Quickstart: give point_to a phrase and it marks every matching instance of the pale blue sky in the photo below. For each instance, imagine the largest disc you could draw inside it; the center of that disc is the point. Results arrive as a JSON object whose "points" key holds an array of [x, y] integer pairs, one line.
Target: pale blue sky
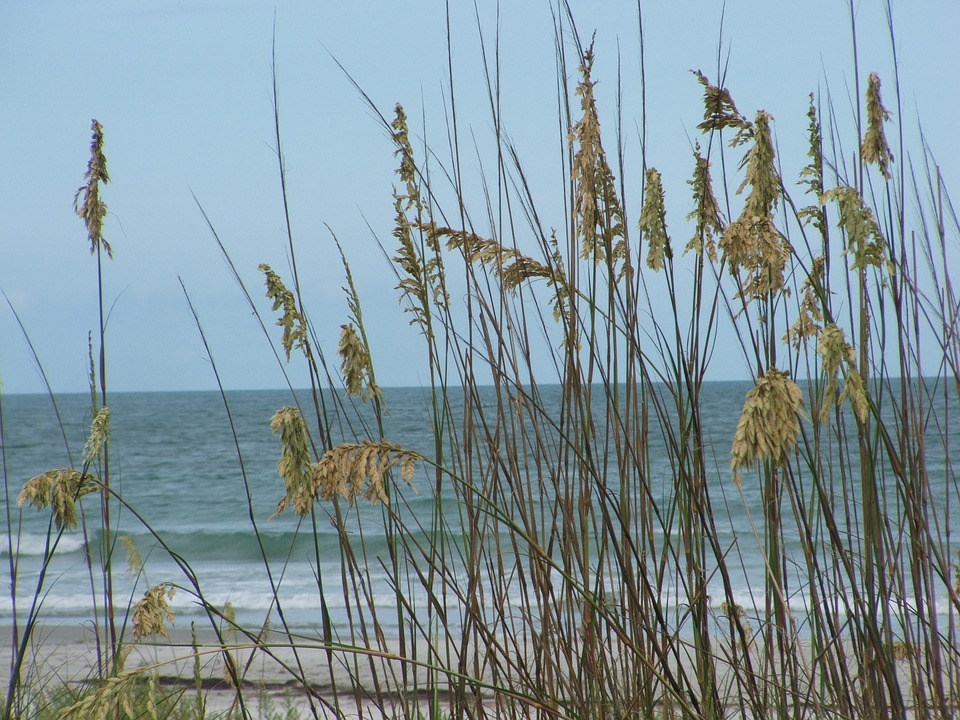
{"points": [[183, 89]]}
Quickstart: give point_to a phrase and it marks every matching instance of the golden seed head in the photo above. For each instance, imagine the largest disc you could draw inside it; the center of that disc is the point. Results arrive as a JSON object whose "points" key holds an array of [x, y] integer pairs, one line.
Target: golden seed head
{"points": [[752, 243], [864, 239], [706, 212], [134, 560], [294, 463], [99, 436], [874, 149], [152, 612], [356, 365], [770, 422], [292, 322], [598, 211], [91, 209], [808, 322], [354, 470], [60, 490], [653, 222], [720, 111]]}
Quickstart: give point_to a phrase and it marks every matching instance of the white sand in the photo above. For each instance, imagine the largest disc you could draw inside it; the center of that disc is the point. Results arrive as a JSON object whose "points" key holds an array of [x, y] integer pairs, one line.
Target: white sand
{"points": [[271, 675]]}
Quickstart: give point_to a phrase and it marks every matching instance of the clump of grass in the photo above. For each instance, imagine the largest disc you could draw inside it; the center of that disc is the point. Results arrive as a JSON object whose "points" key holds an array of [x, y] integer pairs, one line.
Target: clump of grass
{"points": [[579, 558]]}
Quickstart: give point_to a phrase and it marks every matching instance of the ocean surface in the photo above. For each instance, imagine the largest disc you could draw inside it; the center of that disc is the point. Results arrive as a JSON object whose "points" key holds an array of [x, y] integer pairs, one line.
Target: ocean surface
{"points": [[175, 460]]}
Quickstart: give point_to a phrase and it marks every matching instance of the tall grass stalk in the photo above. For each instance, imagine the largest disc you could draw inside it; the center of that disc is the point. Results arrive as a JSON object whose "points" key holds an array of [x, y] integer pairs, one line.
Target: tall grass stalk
{"points": [[93, 210]]}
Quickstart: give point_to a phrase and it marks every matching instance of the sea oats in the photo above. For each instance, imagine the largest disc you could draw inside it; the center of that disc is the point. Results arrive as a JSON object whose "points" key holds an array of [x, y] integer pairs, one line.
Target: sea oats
{"points": [[354, 470], [856, 393], [112, 698], [152, 611], [769, 424], [810, 317], [60, 490], [513, 266], [91, 208], [752, 242], [560, 299], [355, 364], [421, 278], [597, 207], [835, 352], [864, 239], [134, 560], [292, 322], [408, 167], [874, 149], [812, 173], [354, 351], [903, 651], [653, 222], [99, 436], [754, 245], [412, 284], [294, 463], [720, 111], [761, 171], [706, 212]]}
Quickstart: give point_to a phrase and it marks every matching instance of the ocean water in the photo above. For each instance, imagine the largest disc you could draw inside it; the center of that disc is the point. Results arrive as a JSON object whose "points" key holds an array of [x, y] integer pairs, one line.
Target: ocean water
{"points": [[176, 461]]}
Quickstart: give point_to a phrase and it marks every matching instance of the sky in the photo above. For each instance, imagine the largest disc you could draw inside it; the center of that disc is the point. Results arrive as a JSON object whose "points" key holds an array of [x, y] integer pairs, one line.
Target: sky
{"points": [[184, 91]]}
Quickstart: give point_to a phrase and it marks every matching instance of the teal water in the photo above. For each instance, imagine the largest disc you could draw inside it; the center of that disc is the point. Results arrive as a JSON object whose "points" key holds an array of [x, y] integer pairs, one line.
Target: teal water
{"points": [[175, 460]]}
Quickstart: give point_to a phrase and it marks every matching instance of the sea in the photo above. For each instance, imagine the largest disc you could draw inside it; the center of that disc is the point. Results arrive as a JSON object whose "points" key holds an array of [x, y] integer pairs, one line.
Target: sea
{"points": [[197, 472]]}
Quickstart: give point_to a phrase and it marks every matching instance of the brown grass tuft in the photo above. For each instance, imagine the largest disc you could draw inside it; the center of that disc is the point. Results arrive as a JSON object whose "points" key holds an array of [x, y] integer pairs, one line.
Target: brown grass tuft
{"points": [[91, 208], [874, 149], [354, 470], [770, 422], [294, 327], [294, 464], [152, 612], [59, 489]]}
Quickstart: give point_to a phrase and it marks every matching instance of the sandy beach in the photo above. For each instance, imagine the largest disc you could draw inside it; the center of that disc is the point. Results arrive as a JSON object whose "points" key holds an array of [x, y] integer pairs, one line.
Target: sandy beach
{"points": [[273, 676]]}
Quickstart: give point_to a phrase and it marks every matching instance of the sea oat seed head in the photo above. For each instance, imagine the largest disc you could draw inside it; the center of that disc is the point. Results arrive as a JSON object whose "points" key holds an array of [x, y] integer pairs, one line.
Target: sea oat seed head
{"points": [[99, 436], [706, 212], [719, 109], [292, 322], [356, 365], [864, 239], [152, 612], [769, 424], [421, 273], [134, 560], [91, 209], [294, 463], [874, 149], [752, 242], [810, 317], [653, 222], [598, 211], [60, 490], [354, 470]]}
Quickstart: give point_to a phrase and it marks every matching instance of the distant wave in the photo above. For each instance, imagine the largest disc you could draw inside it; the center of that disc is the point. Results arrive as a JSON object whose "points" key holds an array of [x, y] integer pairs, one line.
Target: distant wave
{"points": [[35, 545]]}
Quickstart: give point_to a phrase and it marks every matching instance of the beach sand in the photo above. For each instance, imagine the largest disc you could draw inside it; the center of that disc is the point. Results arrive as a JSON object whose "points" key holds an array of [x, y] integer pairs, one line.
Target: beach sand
{"points": [[274, 677], [270, 675]]}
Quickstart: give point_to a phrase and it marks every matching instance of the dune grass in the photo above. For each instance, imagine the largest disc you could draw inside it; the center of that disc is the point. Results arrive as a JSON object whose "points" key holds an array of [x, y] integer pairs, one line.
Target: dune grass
{"points": [[574, 562]]}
